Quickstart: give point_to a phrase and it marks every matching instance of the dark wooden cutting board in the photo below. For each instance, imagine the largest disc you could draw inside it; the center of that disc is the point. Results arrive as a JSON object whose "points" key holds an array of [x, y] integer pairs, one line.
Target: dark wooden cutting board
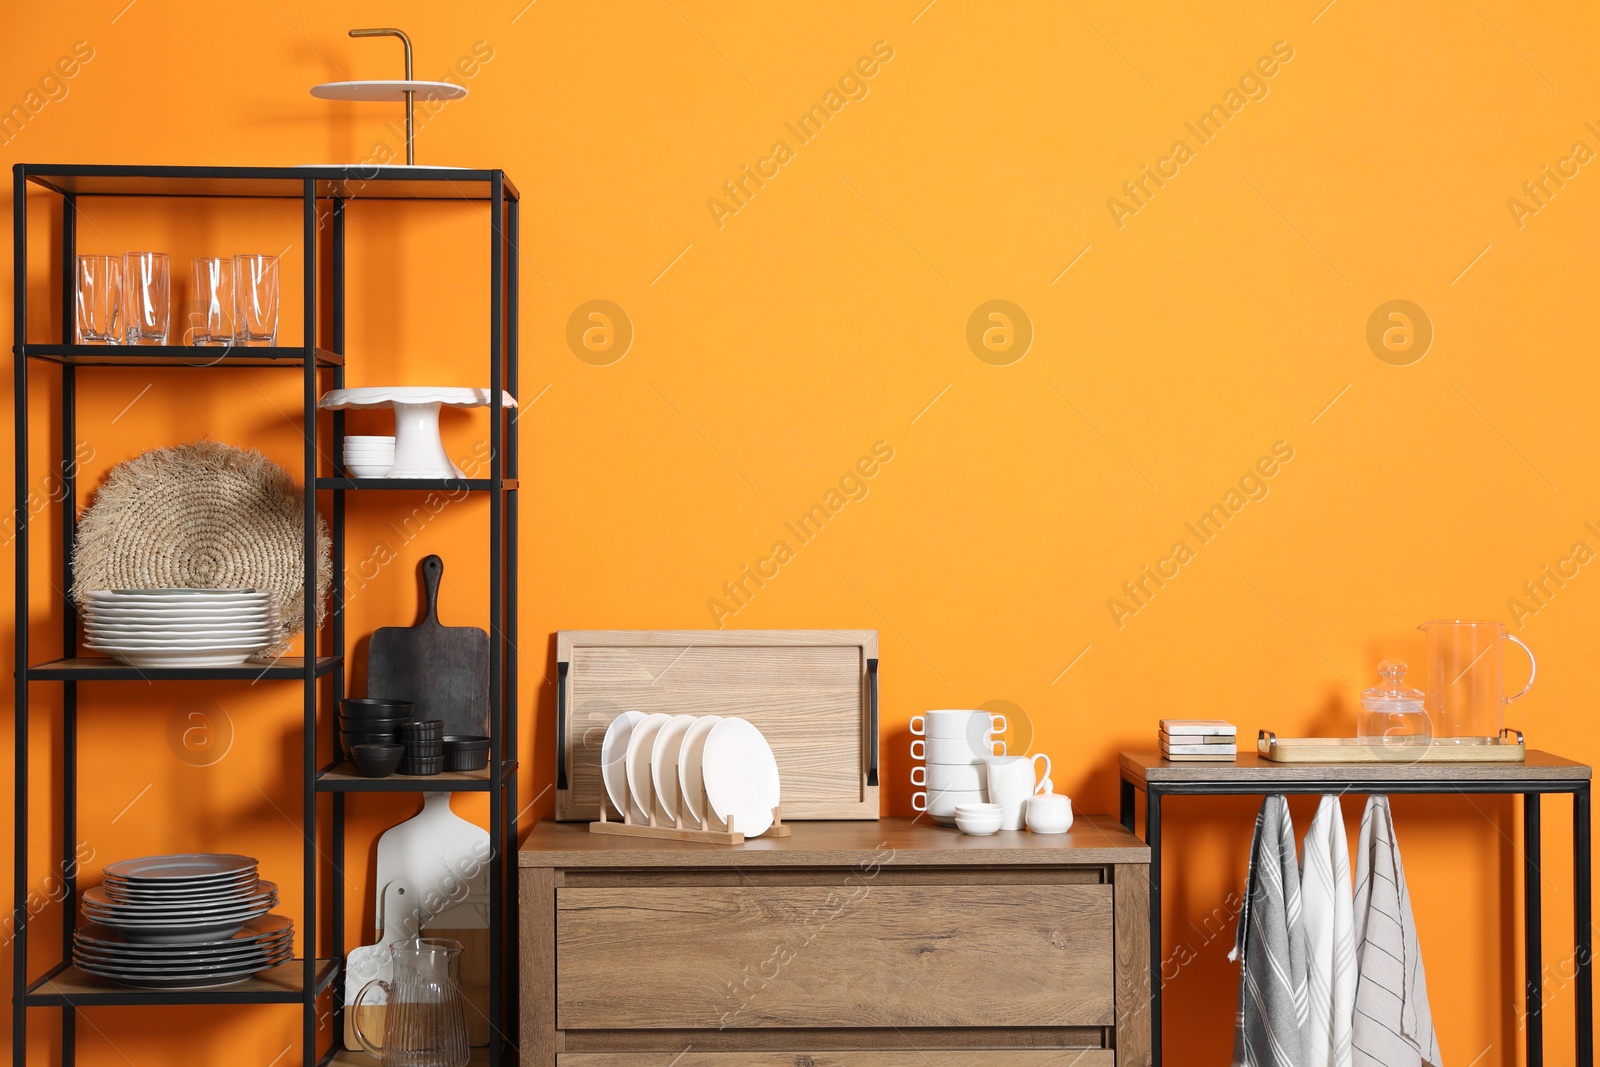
{"points": [[443, 670]]}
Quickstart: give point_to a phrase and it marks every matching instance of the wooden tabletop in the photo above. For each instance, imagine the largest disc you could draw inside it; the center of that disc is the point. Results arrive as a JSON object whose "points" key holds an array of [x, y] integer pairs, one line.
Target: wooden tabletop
{"points": [[1093, 839], [1251, 769]]}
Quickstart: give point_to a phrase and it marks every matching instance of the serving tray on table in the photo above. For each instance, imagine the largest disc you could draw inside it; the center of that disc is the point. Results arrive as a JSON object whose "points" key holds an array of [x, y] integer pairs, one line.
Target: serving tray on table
{"points": [[1509, 749], [812, 693]]}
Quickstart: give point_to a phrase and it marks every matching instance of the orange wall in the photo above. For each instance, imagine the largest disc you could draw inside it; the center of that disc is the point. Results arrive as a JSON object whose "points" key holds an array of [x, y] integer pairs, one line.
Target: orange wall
{"points": [[774, 345]]}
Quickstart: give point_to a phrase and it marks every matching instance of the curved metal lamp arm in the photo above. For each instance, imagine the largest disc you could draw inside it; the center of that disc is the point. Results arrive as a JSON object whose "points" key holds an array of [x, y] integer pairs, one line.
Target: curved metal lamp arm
{"points": [[411, 132]]}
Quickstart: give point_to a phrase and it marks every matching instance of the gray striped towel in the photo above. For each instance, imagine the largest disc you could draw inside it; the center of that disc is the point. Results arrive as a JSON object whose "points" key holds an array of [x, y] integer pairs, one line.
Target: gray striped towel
{"points": [[1393, 1023], [1330, 937], [1271, 948]]}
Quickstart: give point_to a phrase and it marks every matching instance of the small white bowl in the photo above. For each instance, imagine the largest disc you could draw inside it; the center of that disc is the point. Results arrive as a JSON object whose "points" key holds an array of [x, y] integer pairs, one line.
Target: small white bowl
{"points": [[364, 470], [977, 825], [353, 439], [985, 810]]}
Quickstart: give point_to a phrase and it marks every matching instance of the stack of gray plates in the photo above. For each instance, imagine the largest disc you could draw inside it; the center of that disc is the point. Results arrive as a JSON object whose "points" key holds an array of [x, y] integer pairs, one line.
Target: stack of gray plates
{"points": [[182, 921]]}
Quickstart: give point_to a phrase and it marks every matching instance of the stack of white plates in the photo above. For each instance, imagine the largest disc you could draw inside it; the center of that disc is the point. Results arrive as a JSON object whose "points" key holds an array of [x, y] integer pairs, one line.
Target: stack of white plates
{"points": [[708, 771], [180, 627], [257, 945]]}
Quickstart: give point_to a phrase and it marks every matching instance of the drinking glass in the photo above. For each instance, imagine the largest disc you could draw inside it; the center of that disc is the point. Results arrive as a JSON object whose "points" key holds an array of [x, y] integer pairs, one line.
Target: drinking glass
{"points": [[214, 308], [147, 278], [99, 300], [255, 294]]}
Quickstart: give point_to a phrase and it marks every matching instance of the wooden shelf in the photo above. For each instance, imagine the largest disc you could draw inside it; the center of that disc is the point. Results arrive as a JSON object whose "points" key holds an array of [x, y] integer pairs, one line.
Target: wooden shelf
{"points": [[342, 778], [104, 669], [197, 356], [283, 984], [352, 181], [447, 485], [343, 1057]]}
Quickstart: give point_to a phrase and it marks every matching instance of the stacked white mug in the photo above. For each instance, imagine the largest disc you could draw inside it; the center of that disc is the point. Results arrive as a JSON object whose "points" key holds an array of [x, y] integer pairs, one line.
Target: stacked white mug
{"points": [[953, 744]]}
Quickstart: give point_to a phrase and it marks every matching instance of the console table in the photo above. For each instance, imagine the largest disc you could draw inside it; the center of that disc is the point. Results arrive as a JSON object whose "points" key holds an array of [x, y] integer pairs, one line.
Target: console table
{"points": [[849, 944], [1250, 775]]}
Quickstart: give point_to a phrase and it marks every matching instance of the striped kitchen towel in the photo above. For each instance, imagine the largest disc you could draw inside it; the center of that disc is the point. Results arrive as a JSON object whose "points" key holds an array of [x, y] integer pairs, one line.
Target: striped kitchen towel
{"points": [[1325, 903], [1271, 948], [1393, 1024]]}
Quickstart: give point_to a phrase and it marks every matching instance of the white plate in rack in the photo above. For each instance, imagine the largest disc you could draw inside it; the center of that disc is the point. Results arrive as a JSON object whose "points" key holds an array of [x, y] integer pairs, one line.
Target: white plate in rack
{"points": [[691, 783], [641, 743], [741, 776], [614, 758], [664, 764]]}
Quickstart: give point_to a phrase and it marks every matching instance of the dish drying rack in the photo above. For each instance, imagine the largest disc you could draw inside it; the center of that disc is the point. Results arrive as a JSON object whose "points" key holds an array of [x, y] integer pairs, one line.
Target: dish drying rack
{"points": [[677, 831]]}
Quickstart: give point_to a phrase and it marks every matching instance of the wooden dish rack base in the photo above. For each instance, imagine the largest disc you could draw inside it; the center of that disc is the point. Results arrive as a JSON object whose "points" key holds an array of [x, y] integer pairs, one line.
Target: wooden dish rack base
{"points": [[675, 831]]}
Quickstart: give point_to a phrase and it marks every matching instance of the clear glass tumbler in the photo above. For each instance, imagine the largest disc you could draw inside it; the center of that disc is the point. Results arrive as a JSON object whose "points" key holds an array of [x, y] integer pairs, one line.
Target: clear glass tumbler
{"points": [[99, 300], [212, 319], [147, 278], [255, 294]]}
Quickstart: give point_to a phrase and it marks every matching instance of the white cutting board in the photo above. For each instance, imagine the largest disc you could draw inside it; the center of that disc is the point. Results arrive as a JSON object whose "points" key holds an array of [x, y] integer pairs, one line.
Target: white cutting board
{"points": [[443, 861], [397, 921]]}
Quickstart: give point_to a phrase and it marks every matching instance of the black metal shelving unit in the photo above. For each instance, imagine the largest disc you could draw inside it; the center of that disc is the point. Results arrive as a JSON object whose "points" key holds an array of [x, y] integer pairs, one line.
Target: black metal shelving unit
{"points": [[326, 194]]}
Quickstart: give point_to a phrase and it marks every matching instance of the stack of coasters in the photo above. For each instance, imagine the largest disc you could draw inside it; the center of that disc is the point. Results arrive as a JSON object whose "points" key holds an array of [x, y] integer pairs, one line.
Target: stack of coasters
{"points": [[1198, 740]]}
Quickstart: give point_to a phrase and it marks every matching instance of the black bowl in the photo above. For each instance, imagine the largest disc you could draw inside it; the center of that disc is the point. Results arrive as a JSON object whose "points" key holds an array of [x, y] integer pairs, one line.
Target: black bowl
{"points": [[351, 738], [377, 708], [377, 761], [368, 726], [430, 730], [423, 749], [465, 752], [422, 767]]}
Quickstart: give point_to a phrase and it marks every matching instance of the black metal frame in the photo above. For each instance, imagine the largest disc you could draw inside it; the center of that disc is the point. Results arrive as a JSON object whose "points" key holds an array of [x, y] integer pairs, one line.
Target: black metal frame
{"points": [[1530, 791], [302, 980]]}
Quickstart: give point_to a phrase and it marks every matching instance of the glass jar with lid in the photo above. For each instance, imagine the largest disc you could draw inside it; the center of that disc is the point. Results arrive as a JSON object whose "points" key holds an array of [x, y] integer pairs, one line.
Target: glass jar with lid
{"points": [[1392, 713]]}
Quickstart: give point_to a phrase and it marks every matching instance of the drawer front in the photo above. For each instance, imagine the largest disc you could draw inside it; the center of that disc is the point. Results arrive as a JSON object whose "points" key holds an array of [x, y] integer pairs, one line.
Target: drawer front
{"points": [[905, 1058], [861, 955]]}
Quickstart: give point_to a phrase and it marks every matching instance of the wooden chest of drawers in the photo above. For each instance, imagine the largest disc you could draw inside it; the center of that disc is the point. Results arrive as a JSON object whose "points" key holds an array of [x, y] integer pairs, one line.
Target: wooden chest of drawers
{"points": [[859, 944]]}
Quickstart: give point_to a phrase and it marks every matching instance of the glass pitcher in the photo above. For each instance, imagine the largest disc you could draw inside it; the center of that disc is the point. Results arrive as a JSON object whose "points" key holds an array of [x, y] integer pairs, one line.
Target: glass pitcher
{"points": [[1466, 680], [425, 1024]]}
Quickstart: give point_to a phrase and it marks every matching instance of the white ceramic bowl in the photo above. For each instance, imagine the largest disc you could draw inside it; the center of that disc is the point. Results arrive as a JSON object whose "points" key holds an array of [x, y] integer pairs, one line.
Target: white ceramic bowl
{"points": [[979, 809], [977, 825], [355, 439], [941, 804], [955, 749], [939, 777], [368, 470]]}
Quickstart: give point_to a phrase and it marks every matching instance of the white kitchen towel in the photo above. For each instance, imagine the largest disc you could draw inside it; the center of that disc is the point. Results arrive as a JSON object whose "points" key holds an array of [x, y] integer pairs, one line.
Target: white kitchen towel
{"points": [[1271, 948], [1393, 1024], [1325, 907]]}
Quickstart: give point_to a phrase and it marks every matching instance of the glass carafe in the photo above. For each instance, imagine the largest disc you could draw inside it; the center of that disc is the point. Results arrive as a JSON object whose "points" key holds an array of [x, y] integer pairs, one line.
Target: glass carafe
{"points": [[425, 1024], [1466, 680]]}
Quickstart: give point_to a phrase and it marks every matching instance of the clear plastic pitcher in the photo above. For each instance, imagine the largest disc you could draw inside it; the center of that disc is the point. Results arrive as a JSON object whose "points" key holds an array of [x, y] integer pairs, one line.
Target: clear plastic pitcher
{"points": [[1466, 680]]}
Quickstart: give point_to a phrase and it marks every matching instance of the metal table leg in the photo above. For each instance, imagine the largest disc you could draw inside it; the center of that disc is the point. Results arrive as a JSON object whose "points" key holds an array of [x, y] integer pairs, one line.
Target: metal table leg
{"points": [[1126, 813], [1152, 837], [1584, 950], [1532, 931]]}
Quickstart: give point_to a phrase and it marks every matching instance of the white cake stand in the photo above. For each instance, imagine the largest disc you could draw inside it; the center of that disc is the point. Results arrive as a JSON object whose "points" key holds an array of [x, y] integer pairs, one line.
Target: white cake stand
{"points": [[418, 450]]}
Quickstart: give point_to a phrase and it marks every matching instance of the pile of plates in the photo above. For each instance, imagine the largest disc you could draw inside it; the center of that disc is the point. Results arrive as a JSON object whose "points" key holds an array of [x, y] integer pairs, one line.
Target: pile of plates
{"points": [[186, 920], [707, 770], [180, 627]]}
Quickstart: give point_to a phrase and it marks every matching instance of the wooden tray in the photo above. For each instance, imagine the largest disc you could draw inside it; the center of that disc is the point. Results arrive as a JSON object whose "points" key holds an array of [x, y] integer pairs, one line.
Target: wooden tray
{"points": [[812, 693], [1349, 750]]}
